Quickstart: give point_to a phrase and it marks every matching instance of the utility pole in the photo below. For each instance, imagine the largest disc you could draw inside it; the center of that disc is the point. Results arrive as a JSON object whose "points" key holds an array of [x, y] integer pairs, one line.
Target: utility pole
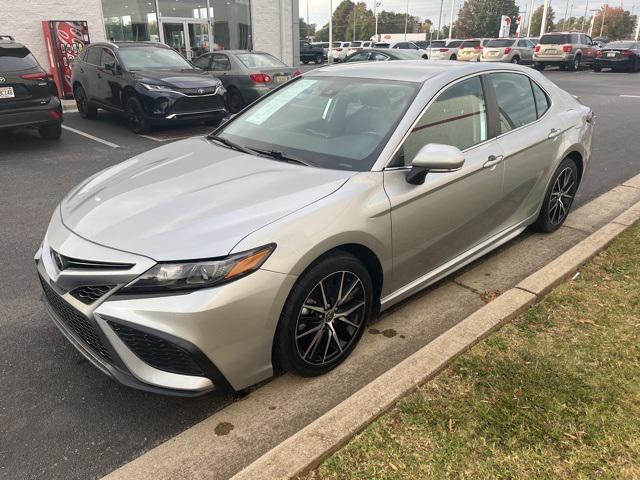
{"points": [[586, 7], [637, 29], [453, 4], [406, 21], [545, 11], [355, 14], [564, 21], [330, 58], [593, 21], [439, 20], [376, 6], [530, 18], [604, 15]]}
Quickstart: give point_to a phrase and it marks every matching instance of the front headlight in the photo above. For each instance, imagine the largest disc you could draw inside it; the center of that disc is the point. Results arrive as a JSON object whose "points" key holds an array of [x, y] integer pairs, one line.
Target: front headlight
{"points": [[157, 88], [193, 275]]}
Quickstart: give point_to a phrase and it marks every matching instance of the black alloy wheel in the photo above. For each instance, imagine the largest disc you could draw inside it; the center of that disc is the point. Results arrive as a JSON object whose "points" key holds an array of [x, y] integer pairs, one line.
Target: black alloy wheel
{"points": [[82, 102], [325, 315], [559, 197], [136, 117]]}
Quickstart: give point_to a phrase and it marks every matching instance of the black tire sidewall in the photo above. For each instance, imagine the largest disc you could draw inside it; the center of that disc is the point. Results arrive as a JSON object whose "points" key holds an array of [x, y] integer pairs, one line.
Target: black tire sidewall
{"points": [[285, 352], [51, 131], [90, 112], [542, 223], [318, 59], [144, 127]]}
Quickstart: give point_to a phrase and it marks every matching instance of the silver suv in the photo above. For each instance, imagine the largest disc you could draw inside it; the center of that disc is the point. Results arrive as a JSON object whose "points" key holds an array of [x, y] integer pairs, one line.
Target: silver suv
{"points": [[567, 50], [508, 50]]}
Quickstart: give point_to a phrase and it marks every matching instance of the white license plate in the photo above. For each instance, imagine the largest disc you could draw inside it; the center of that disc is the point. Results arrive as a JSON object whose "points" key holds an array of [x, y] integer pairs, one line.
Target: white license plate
{"points": [[493, 54], [6, 92], [280, 78], [611, 54], [551, 51]]}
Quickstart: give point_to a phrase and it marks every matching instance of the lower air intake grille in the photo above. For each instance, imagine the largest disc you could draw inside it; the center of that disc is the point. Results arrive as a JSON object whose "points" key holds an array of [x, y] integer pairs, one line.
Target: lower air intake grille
{"points": [[91, 293], [77, 323], [156, 351]]}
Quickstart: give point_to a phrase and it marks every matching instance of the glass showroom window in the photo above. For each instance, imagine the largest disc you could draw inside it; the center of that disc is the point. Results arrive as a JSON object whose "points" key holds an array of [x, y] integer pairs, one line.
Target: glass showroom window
{"points": [[130, 20], [231, 24]]}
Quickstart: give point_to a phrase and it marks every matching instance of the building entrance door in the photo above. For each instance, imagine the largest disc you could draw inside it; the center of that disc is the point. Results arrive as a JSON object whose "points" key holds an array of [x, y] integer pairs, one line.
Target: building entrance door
{"points": [[188, 37]]}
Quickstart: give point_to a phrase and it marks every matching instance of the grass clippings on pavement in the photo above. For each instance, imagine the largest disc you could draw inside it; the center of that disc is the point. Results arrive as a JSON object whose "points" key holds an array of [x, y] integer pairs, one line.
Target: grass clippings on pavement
{"points": [[553, 395]]}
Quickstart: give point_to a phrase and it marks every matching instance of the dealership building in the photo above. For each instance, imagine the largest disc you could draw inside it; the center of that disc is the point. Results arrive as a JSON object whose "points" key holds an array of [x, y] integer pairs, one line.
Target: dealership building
{"points": [[192, 27]]}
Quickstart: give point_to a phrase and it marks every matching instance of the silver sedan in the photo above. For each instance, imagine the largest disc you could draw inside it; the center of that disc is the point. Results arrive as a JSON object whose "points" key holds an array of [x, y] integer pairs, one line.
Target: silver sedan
{"points": [[206, 262]]}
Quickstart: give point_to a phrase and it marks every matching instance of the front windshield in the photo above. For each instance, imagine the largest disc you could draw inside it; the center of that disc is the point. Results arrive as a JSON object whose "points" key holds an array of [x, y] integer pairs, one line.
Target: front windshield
{"points": [[144, 58], [328, 122]]}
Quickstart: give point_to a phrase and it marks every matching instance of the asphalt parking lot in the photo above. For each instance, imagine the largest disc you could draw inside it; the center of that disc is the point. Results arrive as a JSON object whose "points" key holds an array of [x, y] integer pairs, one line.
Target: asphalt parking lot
{"points": [[59, 417]]}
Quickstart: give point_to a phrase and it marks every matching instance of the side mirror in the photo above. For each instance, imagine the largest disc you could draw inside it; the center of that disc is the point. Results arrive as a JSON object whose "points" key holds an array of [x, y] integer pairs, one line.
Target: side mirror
{"points": [[434, 157], [112, 67]]}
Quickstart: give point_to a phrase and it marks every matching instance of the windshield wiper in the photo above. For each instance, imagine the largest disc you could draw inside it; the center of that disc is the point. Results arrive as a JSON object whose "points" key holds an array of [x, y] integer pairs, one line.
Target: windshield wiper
{"points": [[230, 144], [278, 155]]}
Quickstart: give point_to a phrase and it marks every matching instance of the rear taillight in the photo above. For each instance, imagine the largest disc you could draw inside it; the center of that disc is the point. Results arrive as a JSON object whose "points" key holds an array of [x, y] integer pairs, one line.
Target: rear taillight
{"points": [[444, 50], [537, 48], [260, 77], [591, 117], [36, 76], [297, 73], [626, 53], [567, 48], [55, 115], [477, 48], [507, 50]]}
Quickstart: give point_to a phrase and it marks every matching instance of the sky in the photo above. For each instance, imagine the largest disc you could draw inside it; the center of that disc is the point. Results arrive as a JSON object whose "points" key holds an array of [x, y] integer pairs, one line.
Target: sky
{"points": [[319, 9]]}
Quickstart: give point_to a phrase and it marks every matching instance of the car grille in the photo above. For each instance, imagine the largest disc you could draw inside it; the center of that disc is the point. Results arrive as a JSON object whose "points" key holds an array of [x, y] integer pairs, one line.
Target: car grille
{"points": [[76, 321], [156, 351], [91, 293], [198, 91], [198, 104]]}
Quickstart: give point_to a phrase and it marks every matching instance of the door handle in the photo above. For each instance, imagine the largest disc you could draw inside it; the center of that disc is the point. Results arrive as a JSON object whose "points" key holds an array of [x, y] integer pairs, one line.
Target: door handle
{"points": [[554, 132], [493, 160]]}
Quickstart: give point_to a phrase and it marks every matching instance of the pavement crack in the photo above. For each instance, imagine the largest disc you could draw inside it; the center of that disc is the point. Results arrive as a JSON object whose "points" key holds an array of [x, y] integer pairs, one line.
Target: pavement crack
{"points": [[467, 287]]}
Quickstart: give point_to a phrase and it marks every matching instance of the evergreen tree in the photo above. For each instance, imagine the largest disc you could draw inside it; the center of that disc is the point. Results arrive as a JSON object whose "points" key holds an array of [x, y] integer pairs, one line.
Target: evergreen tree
{"points": [[481, 18]]}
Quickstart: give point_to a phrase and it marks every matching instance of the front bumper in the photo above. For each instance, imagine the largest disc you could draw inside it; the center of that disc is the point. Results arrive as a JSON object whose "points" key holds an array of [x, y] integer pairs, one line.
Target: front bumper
{"points": [[624, 62], [32, 116], [179, 344], [173, 106]]}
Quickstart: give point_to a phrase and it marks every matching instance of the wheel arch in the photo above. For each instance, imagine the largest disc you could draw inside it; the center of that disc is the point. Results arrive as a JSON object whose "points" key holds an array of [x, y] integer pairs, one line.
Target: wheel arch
{"points": [[578, 158]]}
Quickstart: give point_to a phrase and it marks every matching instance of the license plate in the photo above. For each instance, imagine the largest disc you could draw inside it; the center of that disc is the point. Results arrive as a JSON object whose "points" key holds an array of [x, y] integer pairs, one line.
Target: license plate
{"points": [[551, 51], [493, 54], [281, 78], [6, 92], [611, 54]]}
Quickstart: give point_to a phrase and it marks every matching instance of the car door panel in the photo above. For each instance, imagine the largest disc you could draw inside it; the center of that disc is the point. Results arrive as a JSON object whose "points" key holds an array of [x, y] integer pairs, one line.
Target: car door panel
{"points": [[447, 215]]}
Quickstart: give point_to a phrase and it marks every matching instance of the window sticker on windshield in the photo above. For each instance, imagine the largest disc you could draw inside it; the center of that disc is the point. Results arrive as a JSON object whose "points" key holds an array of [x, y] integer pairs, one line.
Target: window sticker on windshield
{"points": [[277, 101]]}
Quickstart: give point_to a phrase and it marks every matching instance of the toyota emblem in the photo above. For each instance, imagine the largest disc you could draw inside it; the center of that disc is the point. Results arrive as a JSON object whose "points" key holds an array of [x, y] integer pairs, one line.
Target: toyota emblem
{"points": [[201, 91], [2, 79]]}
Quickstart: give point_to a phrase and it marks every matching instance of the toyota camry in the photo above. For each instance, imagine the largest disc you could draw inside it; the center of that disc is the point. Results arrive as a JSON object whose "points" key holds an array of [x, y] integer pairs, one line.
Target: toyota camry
{"points": [[208, 262]]}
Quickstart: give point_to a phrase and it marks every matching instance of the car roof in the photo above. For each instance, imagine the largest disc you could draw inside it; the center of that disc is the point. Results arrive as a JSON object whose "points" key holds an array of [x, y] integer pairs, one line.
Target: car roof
{"points": [[7, 41], [125, 44], [405, 70]]}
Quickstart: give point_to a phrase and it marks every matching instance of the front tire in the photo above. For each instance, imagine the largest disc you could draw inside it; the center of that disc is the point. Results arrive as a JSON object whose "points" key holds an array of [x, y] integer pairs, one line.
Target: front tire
{"points": [[597, 68], [235, 102], [318, 59], [634, 66], [558, 198], [325, 315], [539, 66], [136, 117]]}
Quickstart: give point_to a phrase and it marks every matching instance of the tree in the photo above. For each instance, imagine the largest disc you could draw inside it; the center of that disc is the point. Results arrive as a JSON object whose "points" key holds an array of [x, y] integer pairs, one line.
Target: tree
{"points": [[481, 18], [306, 29], [536, 20], [618, 23], [364, 23]]}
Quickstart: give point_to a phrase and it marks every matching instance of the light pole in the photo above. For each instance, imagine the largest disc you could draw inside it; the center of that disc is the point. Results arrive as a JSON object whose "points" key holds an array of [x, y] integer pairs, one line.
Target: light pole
{"points": [[439, 20], [586, 9], [406, 21], [593, 21], [376, 6], [355, 15], [530, 18], [453, 4], [637, 29], [330, 57], [604, 15], [545, 11], [564, 21]]}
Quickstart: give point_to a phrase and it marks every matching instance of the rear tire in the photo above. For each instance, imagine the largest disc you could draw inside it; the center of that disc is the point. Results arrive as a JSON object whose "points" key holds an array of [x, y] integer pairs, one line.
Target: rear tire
{"points": [[305, 61], [136, 117], [50, 132], [539, 66], [634, 66], [453, 57], [515, 60], [558, 198], [318, 59], [574, 66], [597, 68], [85, 109], [311, 338], [235, 102]]}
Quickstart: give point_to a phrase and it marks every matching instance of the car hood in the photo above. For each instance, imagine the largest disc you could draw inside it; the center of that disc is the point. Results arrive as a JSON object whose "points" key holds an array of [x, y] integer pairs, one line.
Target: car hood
{"points": [[191, 199], [178, 78]]}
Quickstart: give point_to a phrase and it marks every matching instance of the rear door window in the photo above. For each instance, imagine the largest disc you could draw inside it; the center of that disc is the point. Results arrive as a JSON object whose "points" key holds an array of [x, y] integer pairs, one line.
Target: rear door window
{"points": [[542, 101], [379, 57], [107, 58], [16, 59], [516, 104], [93, 56], [220, 62], [203, 62]]}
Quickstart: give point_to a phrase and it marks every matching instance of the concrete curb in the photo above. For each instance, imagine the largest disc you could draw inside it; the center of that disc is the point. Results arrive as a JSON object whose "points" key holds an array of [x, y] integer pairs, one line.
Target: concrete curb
{"points": [[310, 446]]}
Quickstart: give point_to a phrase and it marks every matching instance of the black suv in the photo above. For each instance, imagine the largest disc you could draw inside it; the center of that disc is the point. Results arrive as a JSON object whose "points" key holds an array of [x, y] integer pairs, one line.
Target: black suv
{"points": [[309, 53], [150, 82], [28, 95]]}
